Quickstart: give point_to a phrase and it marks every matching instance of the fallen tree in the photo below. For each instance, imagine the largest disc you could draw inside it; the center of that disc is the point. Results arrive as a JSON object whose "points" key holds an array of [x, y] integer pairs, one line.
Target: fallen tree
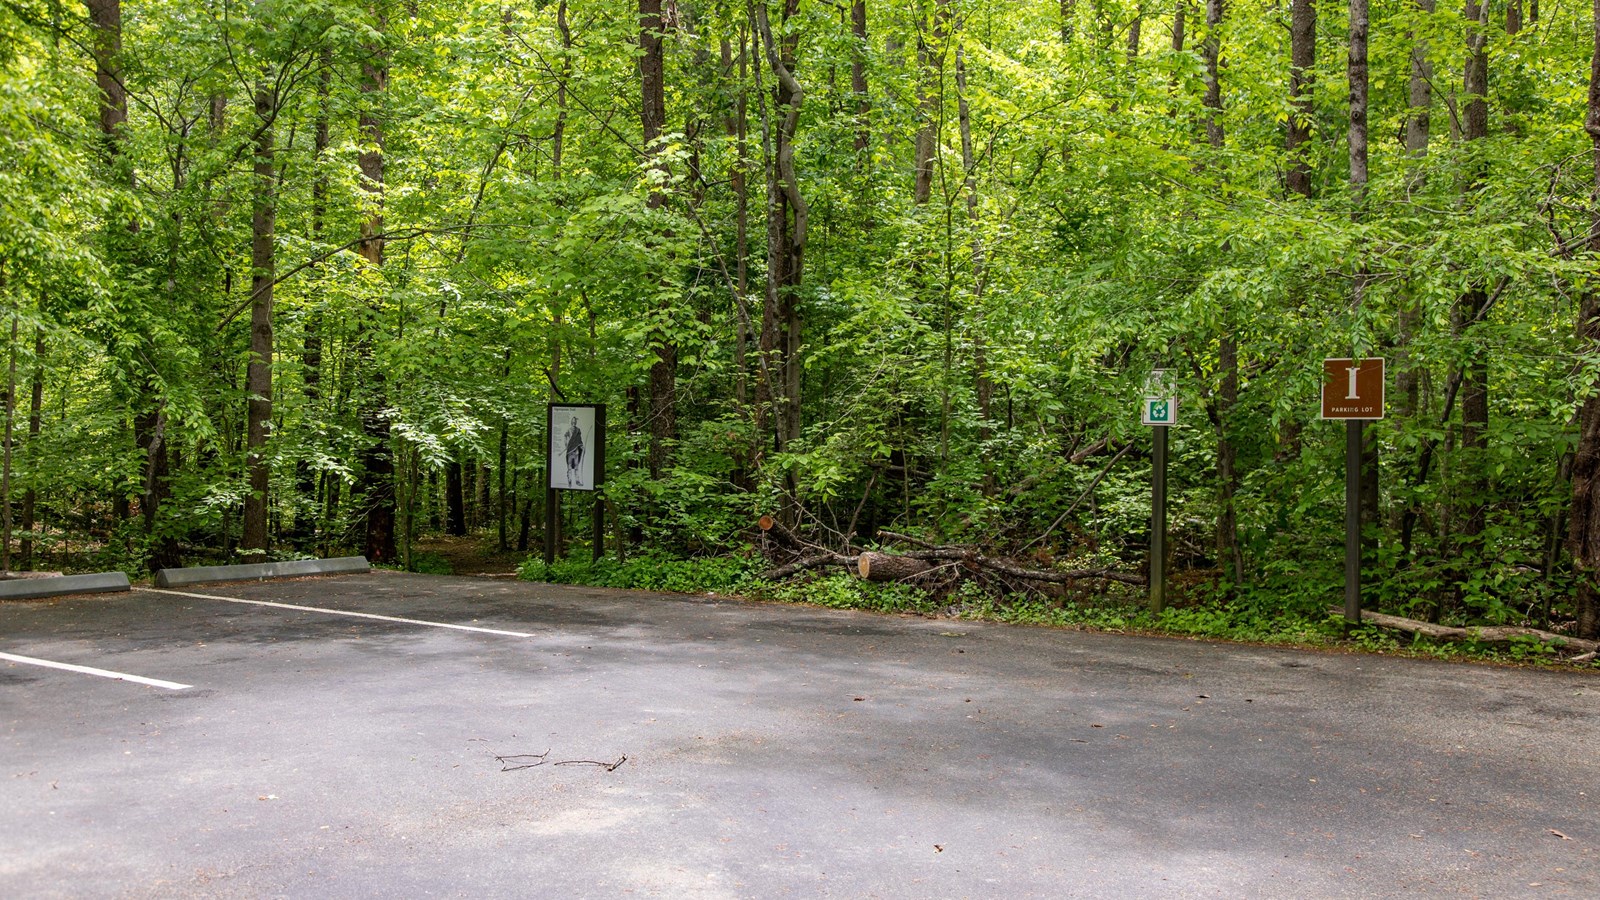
{"points": [[972, 559], [807, 563], [929, 564], [1486, 634]]}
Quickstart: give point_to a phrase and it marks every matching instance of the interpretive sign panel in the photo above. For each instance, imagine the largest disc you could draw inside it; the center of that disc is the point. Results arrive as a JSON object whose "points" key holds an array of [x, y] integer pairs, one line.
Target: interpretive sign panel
{"points": [[1352, 388], [577, 446]]}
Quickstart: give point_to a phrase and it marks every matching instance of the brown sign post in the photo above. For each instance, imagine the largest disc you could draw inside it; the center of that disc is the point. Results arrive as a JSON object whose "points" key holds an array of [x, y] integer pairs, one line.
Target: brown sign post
{"points": [[1352, 389]]}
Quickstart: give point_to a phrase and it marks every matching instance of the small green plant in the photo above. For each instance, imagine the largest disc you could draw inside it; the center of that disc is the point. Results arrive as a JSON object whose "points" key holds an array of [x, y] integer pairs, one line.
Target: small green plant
{"points": [[1370, 639]]}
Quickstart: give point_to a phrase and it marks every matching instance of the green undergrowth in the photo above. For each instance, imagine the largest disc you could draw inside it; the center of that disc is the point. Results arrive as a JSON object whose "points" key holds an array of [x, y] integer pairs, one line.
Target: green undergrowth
{"points": [[646, 572], [1203, 616]]}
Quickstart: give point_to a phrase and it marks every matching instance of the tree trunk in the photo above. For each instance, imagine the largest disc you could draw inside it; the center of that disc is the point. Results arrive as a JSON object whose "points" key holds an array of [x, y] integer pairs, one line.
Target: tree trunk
{"points": [[150, 433], [1419, 93], [1475, 80], [558, 136], [35, 423], [1408, 375], [1468, 517], [481, 507], [1418, 131], [258, 379], [1369, 495], [653, 116], [149, 417], [525, 527], [455, 500], [1211, 55], [377, 460], [787, 221], [858, 79], [736, 127], [1302, 77], [1583, 530], [11, 415], [305, 526], [500, 505], [1229, 554], [931, 46], [105, 21], [980, 363], [1358, 73], [1135, 30]]}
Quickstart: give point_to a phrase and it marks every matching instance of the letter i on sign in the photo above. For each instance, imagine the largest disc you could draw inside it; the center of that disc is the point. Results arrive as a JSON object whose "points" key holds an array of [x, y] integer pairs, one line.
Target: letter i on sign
{"points": [[1351, 390]]}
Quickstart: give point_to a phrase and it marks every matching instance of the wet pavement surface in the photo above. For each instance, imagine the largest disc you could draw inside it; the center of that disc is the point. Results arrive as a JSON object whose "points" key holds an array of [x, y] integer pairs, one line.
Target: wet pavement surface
{"points": [[770, 751]]}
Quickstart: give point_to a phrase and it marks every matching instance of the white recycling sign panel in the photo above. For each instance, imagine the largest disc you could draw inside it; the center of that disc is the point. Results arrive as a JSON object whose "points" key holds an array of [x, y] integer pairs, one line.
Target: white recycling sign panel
{"points": [[1159, 411]]}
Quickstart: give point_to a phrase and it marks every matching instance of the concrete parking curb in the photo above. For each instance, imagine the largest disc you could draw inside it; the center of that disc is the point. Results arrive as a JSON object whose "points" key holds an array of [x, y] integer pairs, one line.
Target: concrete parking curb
{"points": [[63, 585], [294, 568]]}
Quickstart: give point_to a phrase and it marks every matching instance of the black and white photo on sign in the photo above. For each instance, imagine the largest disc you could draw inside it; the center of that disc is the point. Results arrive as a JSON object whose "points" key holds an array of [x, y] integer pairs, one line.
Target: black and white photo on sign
{"points": [[572, 448]]}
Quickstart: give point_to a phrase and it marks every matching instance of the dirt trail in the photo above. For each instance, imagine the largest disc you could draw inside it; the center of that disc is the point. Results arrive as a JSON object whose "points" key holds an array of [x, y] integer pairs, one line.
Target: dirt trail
{"points": [[470, 555]]}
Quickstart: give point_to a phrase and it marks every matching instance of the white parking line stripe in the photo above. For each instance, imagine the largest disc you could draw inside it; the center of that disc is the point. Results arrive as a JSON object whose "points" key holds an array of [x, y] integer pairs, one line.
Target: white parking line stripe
{"points": [[90, 670], [341, 612]]}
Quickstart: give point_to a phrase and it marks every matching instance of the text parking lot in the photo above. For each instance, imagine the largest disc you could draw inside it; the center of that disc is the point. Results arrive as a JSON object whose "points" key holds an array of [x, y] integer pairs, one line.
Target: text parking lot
{"points": [[344, 739]]}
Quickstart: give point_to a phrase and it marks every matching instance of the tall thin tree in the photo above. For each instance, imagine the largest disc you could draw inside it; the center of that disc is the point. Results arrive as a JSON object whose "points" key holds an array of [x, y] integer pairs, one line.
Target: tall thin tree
{"points": [[377, 458], [787, 231], [1468, 517], [263, 273], [653, 116], [1302, 107], [1227, 395], [1583, 530]]}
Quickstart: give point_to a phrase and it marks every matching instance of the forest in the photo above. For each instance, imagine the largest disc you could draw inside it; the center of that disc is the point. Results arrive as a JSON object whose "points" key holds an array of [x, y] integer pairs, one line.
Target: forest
{"points": [[295, 278]]}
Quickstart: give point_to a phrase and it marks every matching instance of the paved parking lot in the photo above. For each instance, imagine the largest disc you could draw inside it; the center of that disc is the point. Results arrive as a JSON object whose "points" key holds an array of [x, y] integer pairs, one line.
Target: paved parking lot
{"points": [[289, 746]]}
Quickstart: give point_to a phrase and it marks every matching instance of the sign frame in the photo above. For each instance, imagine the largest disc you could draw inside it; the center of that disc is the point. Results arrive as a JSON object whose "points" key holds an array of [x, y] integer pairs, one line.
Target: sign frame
{"points": [[592, 450], [1357, 379]]}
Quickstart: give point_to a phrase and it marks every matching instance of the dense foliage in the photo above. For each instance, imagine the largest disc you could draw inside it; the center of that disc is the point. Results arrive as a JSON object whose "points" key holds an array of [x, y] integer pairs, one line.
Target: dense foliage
{"points": [[854, 265]]}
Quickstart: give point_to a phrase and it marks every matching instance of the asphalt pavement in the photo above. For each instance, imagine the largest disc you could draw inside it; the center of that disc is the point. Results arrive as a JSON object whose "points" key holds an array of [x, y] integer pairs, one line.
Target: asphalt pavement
{"points": [[575, 742]]}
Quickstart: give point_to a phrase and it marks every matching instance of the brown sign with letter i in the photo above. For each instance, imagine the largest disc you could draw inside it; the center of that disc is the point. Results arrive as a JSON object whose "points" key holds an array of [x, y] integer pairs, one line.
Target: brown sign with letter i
{"points": [[1352, 388]]}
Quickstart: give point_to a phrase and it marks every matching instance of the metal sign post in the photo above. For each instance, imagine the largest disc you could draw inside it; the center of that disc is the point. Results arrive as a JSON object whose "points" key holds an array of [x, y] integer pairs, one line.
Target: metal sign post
{"points": [[576, 461], [1352, 389], [1159, 409], [1352, 522]]}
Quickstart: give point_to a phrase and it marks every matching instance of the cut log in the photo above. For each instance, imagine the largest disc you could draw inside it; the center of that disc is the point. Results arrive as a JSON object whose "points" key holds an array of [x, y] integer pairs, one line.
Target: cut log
{"points": [[1495, 634], [888, 567]]}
